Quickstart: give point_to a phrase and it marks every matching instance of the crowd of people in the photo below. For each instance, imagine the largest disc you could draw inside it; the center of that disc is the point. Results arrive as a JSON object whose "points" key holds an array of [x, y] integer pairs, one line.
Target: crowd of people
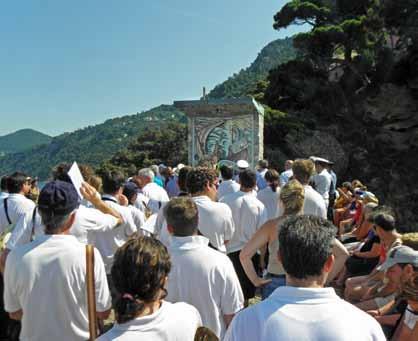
{"points": [[186, 253]]}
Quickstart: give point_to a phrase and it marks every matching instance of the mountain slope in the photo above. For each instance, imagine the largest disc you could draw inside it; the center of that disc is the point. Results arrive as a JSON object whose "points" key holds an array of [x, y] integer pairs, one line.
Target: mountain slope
{"points": [[275, 53], [91, 145], [21, 140]]}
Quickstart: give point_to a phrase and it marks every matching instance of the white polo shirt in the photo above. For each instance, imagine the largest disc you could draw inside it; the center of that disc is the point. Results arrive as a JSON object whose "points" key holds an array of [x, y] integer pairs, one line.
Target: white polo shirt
{"points": [[215, 221], [316, 314], [108, 242], [313, 203], [87, 220], [17, 205], [226, 187], [157, 195], [204, 278], [270, 200], [177, 321], [47, 280], [248, 213]]}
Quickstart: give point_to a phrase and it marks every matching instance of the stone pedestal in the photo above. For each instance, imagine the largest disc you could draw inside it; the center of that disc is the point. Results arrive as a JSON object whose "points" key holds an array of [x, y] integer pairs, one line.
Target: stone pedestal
{"points": [[230, 129]]}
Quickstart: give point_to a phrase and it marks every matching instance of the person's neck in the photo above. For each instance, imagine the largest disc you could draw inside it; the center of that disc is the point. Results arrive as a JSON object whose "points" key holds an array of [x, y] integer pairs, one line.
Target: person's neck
{"points": [[311, 282], [246, 190], [389, 238], [200, 194], [150, 308]]}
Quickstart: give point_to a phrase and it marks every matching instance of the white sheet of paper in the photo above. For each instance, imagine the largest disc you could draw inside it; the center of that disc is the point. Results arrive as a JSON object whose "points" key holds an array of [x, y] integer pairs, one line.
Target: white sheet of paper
{"points": [[76, 178], [150, 223]]}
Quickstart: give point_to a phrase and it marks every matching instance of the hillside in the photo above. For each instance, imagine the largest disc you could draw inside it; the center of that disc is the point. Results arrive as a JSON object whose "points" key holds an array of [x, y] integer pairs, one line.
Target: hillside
{"points": [[22, 140], [91, 145], [242, 83]]}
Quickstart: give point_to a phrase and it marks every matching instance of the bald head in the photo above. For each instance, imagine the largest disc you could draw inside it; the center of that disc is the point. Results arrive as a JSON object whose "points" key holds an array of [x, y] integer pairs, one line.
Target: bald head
{"points": [[288, 164]]}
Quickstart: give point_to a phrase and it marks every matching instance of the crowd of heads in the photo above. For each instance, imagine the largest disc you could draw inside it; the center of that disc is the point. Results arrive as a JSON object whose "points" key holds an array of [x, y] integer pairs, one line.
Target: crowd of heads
{"points": [[142, 264]]}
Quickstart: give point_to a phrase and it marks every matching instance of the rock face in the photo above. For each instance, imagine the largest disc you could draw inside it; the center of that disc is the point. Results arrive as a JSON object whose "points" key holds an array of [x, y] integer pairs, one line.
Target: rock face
{"points": [[378, 145], [319, 143]]}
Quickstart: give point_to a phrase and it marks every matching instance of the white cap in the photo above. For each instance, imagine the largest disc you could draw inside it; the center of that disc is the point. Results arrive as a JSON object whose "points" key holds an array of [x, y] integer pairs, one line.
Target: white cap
{"points": [[320, 159], [242, 164], [400, 255]]}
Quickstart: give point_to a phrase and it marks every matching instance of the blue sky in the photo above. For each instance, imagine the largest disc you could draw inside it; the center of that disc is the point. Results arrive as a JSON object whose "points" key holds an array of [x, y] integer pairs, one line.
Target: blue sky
{"points": [[68, 64]]}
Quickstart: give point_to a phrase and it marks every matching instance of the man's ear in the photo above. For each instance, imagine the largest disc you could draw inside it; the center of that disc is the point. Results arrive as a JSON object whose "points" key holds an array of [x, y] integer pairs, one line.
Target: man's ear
{"points": [[69, 222], [329, 264], [170, 229]]}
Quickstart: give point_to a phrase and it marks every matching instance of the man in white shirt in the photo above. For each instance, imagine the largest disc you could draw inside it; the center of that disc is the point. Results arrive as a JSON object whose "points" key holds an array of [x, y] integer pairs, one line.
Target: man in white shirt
{"points": [[228, 185], [3, 187], [200, 275], [156, 194], [16, 204], [107, 242], [248, 214], [287, 173], [304, 309], [45, 281], [322, 179]]}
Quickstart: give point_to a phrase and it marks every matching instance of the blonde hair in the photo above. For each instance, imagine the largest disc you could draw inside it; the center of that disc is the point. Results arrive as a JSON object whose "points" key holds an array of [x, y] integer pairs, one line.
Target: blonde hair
{"points": [[292, 196], [411, 240]]}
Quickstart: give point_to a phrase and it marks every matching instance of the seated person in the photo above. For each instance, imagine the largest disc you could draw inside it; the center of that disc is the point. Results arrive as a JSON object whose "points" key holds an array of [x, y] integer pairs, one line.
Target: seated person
{"points": [[401, 313]]}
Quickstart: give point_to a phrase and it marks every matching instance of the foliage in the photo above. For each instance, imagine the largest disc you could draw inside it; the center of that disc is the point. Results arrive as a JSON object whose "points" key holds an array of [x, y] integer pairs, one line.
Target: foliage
{"points": [[167, 144], [21, 140], [91, 145], [241, 84], [353, 26]]}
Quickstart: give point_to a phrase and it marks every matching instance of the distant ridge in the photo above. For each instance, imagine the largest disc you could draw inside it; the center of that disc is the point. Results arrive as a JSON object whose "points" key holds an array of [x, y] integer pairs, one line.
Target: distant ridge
{"points": [[22, 140], [91, 145]]}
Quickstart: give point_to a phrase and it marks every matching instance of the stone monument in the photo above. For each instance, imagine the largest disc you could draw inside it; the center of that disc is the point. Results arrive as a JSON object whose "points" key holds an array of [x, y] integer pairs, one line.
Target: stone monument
{"points": [[227, 129]]}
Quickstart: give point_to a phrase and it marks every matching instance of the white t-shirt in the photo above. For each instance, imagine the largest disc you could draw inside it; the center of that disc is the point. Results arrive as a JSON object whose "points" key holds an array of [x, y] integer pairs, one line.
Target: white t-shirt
{"points": [[87, 221], [47, 280], [313, 203], [215, 223], [17, 205], [226, 187], [270, 200], [157, 195], [108, 242], [172, 322], [204, 278], [248, 213], [316, 314]]}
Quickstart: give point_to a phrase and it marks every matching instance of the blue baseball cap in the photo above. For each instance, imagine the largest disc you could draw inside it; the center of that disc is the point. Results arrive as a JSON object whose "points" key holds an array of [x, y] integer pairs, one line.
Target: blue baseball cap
{"points": [[58, 196]]}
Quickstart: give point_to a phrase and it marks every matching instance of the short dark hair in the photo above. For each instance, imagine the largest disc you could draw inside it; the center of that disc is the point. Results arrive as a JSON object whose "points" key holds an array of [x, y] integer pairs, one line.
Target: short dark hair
{"points": [[138, 272], [263, 163], [60, 172], [227, 172], [182, 177], [16, 181], [198, 178], [112, 181], [247, 178], [383, 220], [3, 183], [182, 215], [305, 242]]}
